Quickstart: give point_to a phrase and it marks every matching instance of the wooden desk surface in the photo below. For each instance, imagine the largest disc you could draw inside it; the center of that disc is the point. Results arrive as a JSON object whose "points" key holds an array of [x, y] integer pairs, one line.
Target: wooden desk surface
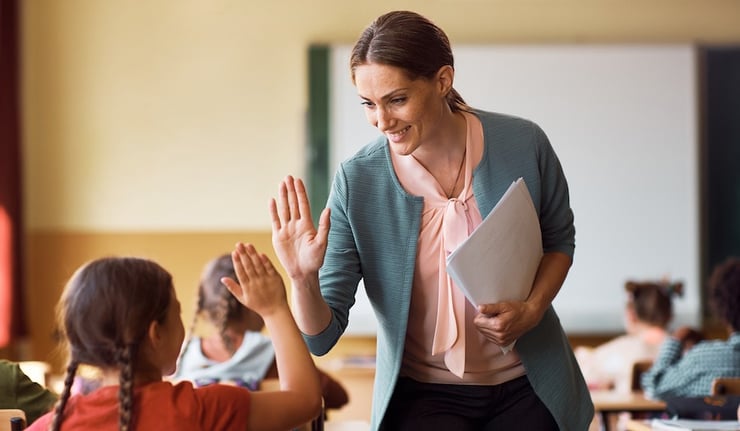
{"points": [[611, 401], [638, 425]]}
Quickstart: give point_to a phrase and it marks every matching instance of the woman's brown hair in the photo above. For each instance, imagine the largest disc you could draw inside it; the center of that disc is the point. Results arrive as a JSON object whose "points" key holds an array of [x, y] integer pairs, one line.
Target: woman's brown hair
{"points": [[410, 42], [104, 314]]}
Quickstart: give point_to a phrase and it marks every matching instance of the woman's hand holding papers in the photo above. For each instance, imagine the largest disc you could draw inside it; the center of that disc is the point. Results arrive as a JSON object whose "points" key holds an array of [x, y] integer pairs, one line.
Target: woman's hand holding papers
{"points": [[504, 322]]}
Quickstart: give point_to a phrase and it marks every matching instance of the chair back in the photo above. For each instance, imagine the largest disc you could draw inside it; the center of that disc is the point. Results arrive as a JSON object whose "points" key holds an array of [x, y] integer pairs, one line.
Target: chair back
{"points": [[638, 368], [726, 386], [7, 414]]}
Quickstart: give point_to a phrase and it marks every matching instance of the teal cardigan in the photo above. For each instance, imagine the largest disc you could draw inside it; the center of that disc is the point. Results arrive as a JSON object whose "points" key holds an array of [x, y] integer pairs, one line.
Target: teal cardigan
{"points": [[374, 233]]}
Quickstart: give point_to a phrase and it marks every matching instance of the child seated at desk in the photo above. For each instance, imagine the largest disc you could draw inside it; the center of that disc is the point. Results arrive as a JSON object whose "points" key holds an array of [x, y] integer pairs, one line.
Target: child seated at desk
{"points": [[236, 352], [18, 391], [648, 312], [679, 371]]}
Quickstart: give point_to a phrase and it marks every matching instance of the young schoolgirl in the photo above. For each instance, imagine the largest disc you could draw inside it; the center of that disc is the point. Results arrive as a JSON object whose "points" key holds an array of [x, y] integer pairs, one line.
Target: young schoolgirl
{"points": [[648, 313], [121, 314]]}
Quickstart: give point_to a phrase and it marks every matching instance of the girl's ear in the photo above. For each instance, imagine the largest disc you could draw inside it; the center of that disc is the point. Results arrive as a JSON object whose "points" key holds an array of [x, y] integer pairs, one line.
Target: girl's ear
{"points": [[154, 334]]}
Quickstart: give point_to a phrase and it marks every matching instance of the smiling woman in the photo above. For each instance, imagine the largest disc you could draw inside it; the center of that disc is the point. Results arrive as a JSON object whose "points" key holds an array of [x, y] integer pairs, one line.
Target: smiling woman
{"points": [[397, 207]]}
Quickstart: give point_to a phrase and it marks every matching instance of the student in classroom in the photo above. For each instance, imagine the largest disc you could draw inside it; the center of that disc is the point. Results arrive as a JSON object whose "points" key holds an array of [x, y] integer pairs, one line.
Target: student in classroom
{"points": [[648, 312], [233, 348], [396, 209], [121, 314], [679, 371], [18, 391]]}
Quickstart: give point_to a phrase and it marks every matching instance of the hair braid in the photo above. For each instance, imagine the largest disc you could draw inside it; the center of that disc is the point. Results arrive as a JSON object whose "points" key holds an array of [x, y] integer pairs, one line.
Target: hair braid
{"points": [[225, 315], [69, 379], [126, 386]]}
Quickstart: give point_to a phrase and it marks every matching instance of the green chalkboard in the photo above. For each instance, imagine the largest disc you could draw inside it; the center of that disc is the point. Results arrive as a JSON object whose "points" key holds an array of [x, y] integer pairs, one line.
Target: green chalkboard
{"points": [[720, 76]]}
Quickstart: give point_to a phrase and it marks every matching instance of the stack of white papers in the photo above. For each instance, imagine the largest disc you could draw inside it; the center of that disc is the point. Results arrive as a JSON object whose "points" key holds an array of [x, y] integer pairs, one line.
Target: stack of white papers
{"points": [[499, 260]]}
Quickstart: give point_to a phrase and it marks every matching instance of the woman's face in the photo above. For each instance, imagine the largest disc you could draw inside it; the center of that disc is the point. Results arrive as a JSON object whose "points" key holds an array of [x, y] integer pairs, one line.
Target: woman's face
{"points": [[407, 112]]}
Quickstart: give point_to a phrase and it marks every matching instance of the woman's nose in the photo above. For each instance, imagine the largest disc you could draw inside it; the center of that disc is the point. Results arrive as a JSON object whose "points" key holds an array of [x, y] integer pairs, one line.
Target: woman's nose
{"points": [[383, 119]]}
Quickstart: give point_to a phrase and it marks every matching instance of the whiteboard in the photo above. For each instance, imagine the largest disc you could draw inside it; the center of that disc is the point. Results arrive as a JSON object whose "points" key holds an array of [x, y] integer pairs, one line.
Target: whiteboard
{"points": [[623, 121]]}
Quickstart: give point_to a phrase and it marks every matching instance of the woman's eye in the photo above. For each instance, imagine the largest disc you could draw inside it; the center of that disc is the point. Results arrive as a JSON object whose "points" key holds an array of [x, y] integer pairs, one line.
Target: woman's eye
{"points": [[367, 104], [398, 100]]}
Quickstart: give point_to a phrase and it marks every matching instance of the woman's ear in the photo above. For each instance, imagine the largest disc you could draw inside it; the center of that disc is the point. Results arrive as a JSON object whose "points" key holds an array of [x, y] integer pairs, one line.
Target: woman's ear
{"points": [[445, 77]]}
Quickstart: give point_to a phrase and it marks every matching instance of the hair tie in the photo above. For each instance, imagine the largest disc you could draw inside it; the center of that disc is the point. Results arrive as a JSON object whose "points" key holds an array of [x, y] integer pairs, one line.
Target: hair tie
{"points": [[675, 288]]}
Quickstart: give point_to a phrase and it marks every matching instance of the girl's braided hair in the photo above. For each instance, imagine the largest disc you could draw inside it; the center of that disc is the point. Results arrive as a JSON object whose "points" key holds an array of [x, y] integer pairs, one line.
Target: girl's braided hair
{"points": [[104, 314]]}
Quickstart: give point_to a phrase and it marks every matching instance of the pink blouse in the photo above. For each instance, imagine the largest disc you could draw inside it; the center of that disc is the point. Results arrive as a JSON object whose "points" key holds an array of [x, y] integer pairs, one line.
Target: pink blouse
{"points": [[442, 343]]}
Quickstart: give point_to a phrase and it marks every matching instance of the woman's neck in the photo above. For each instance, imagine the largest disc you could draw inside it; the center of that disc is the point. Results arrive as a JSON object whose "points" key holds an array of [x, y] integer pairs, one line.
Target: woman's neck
{"points": [[448, 140]]}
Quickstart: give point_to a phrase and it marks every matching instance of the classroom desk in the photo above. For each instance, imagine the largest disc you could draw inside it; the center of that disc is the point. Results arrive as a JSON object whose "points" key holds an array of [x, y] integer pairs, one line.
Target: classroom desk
{"points": [[638, 425], [607, 403]]}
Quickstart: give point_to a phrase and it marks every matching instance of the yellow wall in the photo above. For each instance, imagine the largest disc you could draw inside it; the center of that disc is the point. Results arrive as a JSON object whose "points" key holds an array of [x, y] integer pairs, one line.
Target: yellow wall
{"points": [[54, 255], [162, 128]]}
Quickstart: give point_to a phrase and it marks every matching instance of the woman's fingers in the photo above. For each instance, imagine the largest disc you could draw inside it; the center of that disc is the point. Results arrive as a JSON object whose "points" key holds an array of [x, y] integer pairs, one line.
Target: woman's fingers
{"points": [[283, 211], [304, 207], [275, 216], [292, 203]]}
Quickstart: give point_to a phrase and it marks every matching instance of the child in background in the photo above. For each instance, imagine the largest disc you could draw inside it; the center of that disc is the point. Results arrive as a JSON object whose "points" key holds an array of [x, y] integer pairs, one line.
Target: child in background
{"points": [[647, 314], [236, 351], [121, 314], [679, 371], [18, 391]]}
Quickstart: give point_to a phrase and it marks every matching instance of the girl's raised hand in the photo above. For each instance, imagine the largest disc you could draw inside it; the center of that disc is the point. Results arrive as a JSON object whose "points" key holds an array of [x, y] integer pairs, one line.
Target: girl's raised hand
{"points": [[259, 287]]}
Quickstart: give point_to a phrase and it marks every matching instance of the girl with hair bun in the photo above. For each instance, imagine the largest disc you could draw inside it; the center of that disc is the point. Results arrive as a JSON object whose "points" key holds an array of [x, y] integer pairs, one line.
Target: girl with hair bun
{"points": [[647, 314]]}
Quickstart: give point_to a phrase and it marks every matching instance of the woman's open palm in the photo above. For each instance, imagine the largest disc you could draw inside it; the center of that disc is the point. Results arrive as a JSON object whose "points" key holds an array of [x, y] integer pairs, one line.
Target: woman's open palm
{"points": [[298, 244]]}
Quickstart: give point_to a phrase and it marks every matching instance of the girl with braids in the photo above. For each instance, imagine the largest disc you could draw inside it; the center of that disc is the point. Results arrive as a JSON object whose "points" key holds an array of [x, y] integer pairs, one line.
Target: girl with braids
{"points": [[647, 314], [121, 314], [235, 351]]}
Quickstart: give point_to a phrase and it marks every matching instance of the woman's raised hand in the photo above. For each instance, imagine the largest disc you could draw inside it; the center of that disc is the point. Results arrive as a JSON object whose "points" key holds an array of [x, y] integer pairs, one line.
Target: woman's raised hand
{"points": [[298, 244]]}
